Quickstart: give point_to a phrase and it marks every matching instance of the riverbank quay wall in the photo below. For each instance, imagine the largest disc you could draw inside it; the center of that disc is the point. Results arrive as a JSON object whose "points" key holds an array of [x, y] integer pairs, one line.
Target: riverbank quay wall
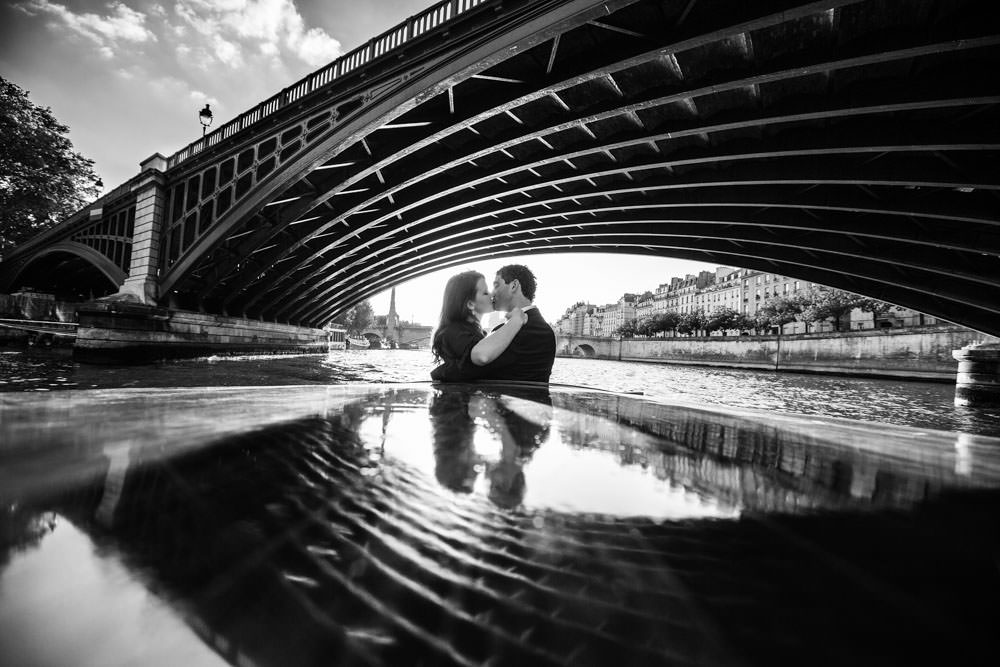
{"points": [[923, 353], [114, 332], [36, 307]]}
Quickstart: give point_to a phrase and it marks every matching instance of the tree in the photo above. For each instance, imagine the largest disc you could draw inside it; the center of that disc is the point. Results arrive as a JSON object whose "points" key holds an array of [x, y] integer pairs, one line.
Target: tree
{"points": [[356, 319], [723, 319], [667, 321], [780, 310], [42, 180], [646, 327], [828, 304], [626, 330], [691, 323], [875, 307]]}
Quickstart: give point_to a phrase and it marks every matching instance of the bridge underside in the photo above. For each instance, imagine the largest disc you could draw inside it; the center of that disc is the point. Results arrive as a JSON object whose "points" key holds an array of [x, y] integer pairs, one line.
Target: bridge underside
{"points": [[851, 143]]}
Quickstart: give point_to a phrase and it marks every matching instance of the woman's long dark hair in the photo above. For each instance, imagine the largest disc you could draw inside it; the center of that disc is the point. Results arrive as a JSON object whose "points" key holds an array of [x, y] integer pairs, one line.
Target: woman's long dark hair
{"points": [[459, 290]]}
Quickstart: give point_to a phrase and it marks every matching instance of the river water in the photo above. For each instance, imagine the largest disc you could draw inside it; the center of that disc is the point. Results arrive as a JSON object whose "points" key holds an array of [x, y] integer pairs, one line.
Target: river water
{"points": [[889, 401], [345, 512]]}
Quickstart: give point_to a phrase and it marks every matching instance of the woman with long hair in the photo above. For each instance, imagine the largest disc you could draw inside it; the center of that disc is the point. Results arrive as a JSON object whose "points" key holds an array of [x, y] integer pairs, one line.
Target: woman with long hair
{"points": [[460, 344]]}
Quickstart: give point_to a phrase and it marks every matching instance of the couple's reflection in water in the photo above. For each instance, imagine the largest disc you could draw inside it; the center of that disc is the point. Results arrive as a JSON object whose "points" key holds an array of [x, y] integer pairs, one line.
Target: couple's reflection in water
{"points": [[518, 423]]}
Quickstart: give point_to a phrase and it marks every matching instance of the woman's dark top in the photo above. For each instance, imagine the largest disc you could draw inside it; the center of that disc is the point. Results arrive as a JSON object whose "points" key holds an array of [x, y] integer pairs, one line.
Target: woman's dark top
{"points": [[456, 343]]}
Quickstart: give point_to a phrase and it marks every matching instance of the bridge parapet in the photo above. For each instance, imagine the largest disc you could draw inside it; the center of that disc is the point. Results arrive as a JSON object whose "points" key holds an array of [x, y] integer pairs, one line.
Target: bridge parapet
{"points": [[391, 41]]}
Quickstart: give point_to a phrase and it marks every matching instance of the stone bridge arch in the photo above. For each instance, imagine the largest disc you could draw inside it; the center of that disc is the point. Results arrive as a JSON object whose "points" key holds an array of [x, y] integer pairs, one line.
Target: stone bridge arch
{"points": [[374, 338]]}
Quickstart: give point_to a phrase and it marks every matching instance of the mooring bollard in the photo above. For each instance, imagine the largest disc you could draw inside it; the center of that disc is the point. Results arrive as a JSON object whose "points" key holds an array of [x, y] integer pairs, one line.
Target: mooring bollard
{"points": [[978, 378]]}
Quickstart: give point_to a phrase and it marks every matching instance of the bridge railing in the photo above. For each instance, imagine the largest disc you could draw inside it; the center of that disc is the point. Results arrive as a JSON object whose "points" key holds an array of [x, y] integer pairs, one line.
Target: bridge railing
{"points": [[433, 17]]}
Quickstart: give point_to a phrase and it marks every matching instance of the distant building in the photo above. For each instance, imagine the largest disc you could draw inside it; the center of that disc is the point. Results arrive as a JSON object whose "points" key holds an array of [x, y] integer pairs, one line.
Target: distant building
{"points": [[741, 290]]}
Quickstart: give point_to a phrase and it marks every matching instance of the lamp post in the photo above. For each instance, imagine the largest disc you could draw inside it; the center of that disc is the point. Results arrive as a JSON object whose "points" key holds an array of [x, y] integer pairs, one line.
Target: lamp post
{"points": [[205, 118]]}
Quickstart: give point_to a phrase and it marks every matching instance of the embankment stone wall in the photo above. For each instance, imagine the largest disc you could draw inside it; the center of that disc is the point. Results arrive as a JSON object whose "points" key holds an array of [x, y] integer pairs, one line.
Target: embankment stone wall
{"points": [[919, 352], [122, 333]]}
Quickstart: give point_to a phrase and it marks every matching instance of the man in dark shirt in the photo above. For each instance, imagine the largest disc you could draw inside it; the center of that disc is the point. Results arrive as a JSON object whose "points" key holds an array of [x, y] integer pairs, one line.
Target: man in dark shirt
{"points": [[533, 350]]}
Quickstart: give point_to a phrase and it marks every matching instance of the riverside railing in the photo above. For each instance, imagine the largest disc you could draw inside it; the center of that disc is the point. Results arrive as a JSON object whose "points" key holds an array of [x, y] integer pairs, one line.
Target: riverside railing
{"points": [[415, 26]]}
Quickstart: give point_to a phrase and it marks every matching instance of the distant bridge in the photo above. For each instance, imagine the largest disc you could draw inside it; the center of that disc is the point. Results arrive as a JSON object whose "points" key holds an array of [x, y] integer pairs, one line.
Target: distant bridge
{"points": [[852, 143], [406, 336]]}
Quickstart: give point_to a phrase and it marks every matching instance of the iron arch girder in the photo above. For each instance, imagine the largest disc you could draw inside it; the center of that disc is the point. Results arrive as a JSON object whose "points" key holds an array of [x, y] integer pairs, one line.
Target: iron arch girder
{"points": [[936, 235], [929, 303], [512, 192], [265, 263], [893, 292], [443, 71], [809, 233], [791, 13], [888, 270], [491, 147], [281, 255], [977, 223], [489, 217], [109, 269], [902, 175]]}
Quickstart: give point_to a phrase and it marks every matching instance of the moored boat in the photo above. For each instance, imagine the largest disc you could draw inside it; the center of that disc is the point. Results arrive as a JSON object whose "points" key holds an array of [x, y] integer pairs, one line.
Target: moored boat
{"points": [[357, 343]]}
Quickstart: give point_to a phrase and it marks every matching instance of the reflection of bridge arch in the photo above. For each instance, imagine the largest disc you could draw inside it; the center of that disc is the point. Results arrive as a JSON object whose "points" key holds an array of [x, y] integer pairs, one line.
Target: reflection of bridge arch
{"points": [[830, 141]]}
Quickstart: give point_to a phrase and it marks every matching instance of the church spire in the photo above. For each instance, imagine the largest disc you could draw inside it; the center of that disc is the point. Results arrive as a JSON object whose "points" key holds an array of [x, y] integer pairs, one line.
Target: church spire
{"points": [[392, 306]]}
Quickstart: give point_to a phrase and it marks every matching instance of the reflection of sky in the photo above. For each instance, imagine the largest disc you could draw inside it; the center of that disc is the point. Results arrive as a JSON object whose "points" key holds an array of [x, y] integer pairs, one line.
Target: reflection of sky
{"points": [[64, 602], [570, 479], [558, 477]]}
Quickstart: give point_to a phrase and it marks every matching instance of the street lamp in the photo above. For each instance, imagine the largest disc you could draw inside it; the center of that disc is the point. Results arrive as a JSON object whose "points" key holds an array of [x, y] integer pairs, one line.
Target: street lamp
{"points": [[205, 117]]}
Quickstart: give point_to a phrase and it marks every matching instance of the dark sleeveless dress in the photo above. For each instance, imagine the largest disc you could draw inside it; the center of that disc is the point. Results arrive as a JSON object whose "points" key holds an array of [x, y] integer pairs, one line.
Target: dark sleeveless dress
{"points": [[457, 341]]}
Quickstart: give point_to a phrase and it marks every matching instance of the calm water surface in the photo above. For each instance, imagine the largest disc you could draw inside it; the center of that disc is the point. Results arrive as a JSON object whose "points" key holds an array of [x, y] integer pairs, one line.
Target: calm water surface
{"points": [[910, 403]]}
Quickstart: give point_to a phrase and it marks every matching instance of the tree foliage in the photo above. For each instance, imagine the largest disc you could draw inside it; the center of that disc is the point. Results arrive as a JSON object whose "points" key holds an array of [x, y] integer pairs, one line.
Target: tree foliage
{"points": [[666, 321], [626, 330], [828, 304], [780, 310], [691, 323], [724, 319], [356, 319], [42, 179], [875, 307]]}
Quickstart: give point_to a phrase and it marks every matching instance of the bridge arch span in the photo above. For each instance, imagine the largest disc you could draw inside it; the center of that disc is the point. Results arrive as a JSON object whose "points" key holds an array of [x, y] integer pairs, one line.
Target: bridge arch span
{"points": [[67, 267], [834, 141], [584, 350], [374, 339], [535, 141]]}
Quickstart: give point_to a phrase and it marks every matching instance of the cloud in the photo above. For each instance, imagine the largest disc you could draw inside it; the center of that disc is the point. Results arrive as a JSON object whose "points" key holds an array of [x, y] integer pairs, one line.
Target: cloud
{"points": [[222, 32], [110, 32], [268, 27]]}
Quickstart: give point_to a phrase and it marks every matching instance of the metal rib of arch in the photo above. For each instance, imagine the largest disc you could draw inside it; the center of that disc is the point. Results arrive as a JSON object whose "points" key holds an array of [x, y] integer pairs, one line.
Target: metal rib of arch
{"points": [[844, 142]]}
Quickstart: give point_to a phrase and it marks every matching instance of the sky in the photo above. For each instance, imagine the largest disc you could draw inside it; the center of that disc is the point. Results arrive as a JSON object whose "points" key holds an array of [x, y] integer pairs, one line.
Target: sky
{"points": [[129, 77]]}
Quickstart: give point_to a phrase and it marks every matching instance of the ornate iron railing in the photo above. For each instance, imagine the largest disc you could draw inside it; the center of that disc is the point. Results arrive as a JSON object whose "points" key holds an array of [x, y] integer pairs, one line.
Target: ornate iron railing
{"points": [[433, 17]]}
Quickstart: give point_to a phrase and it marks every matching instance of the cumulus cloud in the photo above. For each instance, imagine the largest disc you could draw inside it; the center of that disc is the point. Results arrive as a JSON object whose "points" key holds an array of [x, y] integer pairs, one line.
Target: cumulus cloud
{"points": [[269, 27], [225, 31], [110, 32]]}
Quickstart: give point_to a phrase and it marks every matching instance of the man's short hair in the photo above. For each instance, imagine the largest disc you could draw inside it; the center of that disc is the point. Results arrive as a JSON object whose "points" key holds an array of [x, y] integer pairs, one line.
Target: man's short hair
{"points": [[521, 274]]}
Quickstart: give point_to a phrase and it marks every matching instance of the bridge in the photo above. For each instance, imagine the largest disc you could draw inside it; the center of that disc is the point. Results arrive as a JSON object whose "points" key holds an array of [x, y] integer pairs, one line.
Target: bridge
{"points": [[851, 143]]}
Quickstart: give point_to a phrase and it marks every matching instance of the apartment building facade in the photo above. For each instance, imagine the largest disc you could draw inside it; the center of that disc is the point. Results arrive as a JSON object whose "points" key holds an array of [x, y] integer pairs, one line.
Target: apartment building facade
{"points": [[742, 290]]}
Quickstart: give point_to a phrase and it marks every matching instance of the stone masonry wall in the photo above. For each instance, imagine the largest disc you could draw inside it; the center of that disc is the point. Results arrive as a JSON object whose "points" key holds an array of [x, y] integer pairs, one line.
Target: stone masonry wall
{"points": [[919, 353]]}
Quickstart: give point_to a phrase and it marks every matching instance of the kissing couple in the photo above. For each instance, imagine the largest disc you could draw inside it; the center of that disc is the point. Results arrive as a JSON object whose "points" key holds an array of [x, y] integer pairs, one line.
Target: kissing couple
{"points": [[522, 349]]}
